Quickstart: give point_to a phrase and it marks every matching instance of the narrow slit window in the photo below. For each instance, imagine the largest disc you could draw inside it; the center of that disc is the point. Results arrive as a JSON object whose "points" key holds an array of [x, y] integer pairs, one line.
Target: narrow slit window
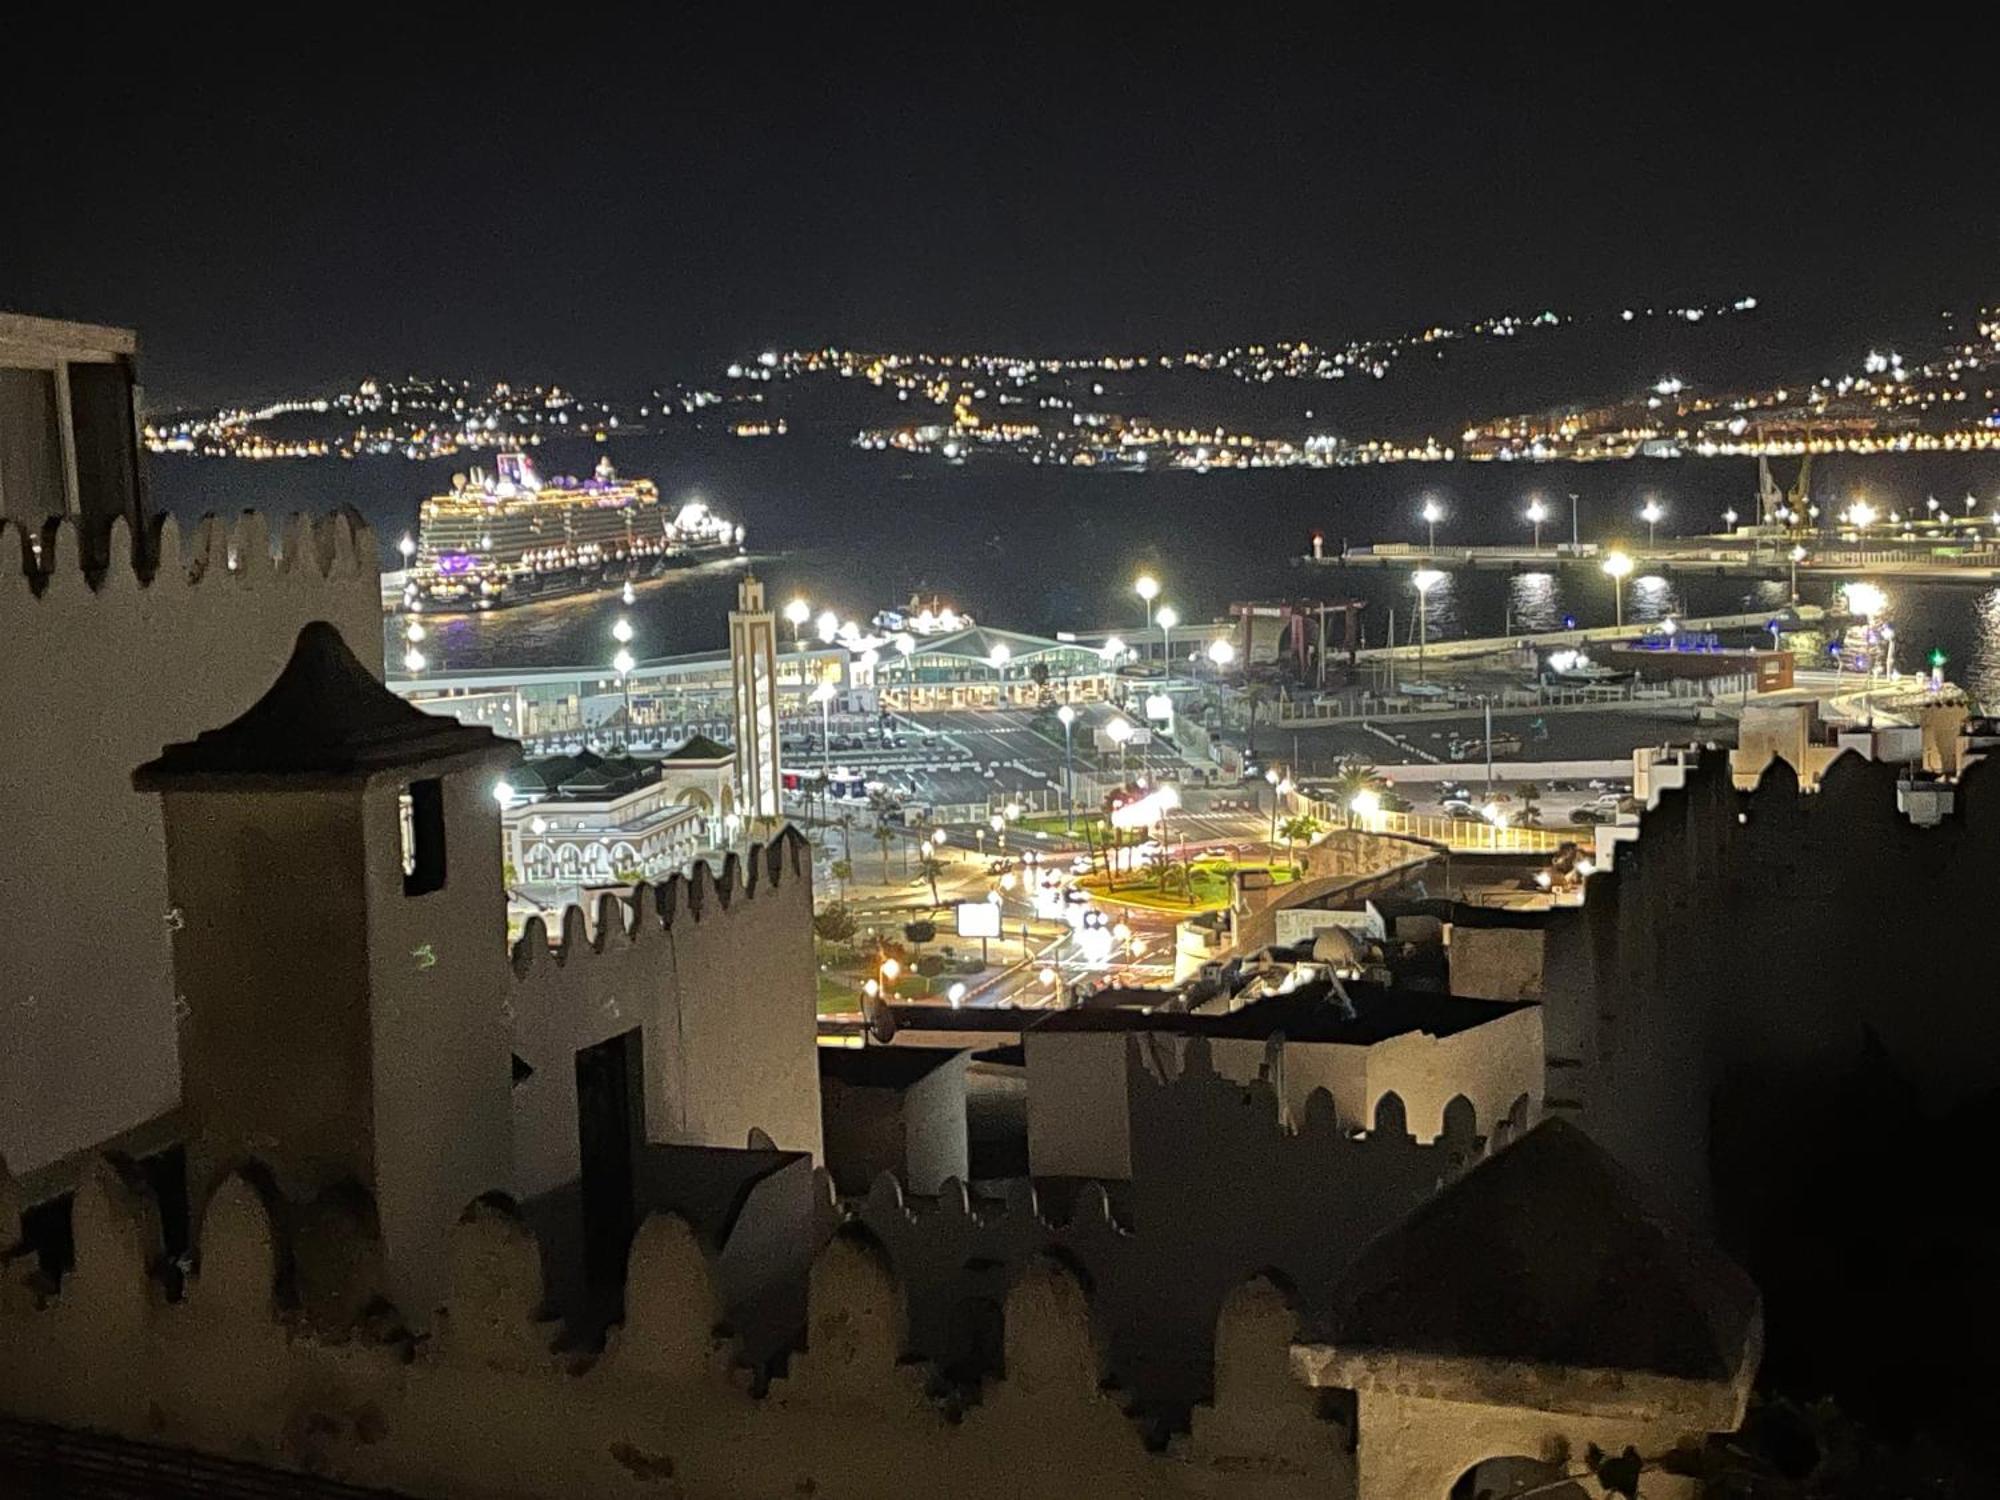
{"points": [[422, 814]]}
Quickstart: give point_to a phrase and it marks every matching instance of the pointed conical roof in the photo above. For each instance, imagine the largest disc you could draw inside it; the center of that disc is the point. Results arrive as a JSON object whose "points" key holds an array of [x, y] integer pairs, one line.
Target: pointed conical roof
{"points": [[699, 747], [1544, 1254], [325, 717]]}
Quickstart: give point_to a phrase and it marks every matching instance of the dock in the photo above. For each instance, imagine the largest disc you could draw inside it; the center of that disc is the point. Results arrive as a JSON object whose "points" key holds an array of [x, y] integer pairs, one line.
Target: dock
{"points": [[1716, 557]]}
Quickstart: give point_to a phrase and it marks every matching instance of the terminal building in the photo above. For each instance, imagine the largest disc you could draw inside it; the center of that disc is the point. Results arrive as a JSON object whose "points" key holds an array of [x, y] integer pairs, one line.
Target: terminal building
{"points": [[980, 667], [671, 696]]}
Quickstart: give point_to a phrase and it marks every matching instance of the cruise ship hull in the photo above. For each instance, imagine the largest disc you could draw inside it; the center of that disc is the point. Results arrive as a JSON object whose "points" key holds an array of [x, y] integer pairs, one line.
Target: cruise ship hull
{"points": [[562, 583]]}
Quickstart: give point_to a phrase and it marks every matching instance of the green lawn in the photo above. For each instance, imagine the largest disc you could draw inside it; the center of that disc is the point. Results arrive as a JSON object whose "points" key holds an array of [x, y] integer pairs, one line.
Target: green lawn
{"points": [[1210, 880], [840, 994]]}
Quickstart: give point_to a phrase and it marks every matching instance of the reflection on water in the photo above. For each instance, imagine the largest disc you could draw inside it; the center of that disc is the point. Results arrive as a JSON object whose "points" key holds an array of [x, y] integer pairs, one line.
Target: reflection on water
{"points": [[1982, 673], [1653, 598], [1534, 602], [1438, 611]]}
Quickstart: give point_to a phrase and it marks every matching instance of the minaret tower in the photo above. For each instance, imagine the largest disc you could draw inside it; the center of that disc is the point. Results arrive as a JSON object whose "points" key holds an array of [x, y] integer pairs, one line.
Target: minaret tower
{"points": [[340, 956], [753, 667]]}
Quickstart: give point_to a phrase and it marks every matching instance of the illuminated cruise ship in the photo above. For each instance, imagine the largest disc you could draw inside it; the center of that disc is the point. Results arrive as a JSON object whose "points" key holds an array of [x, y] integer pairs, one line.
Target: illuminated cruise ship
{"points": [[510, 537]]}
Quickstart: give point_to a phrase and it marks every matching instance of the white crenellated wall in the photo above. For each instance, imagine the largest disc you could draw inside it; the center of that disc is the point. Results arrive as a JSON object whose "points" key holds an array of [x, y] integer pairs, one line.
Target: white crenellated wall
{"points": [[716, 969], [489, 1407], [95, 677]]}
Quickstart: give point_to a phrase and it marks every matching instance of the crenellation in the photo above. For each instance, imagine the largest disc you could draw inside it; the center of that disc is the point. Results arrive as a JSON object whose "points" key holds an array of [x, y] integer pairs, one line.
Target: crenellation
{"points": [[620, 922]]}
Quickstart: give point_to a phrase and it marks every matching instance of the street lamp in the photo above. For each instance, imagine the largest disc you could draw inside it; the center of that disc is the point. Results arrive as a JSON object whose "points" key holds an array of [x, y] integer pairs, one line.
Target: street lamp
{"points": [[1424, 580], [1281, 784], [1066, 716], [1798, 556], [824, 695], [622, 664], [1618, 565], [828, 625], [1168, 617], [1148, 588], [1221, 652], [798, 612], [408, 547], [1537, 513], [1729, 518], [1652, 513], [1119, 731], [1432, 514], [628, 595]]}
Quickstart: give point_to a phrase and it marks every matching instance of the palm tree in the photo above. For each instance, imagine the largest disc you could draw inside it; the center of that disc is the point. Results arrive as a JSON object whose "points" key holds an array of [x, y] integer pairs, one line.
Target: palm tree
{"points": [[843, 871], [930, 867], [1255, 696], [1300, 828], [1351, 777], [884, 840], [845, 822]]}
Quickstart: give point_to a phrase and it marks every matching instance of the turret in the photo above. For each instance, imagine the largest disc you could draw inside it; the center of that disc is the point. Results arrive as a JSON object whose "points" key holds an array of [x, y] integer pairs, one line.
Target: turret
{"points": [[333, 869]]}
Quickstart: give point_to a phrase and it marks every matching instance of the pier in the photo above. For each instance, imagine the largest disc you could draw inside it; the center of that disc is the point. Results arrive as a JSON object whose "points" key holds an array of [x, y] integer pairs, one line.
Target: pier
{"points": [[1717, 557]]}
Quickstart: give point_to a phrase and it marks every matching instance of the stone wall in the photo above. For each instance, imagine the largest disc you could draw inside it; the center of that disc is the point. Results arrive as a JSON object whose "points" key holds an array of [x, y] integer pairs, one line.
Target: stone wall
{"points": [[486, 1408], [1751, 951], [716, 970], [97, 672], [1221, 1190]]}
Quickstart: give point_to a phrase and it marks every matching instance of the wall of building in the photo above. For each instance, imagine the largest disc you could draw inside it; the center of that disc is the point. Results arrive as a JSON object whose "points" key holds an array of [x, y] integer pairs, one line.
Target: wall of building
{"points": [[1497, 963], [717, 969], [97, 675], [487, 1408], [1750, 951], [935, 1139], [1079, 1124]]}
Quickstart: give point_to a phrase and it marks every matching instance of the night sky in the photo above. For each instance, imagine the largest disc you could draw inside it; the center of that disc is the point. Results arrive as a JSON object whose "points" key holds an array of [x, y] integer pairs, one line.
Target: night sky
{"points": [[602, 198]]}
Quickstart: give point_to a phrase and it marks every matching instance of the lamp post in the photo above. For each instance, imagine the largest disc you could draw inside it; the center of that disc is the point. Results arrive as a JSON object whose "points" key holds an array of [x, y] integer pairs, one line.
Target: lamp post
{"points": [[1432, 514], [408, 547], [622, 664], [798, 612], [1424, 580], [1798, 555], [1281, 786], [1537, 513], [1574, 544], [1729, 518], [1066, 716], [1651, 513], [1148, 588], [1618, 565], [1168, 617], [1221, 652], [1120, 730], [998, 659]]}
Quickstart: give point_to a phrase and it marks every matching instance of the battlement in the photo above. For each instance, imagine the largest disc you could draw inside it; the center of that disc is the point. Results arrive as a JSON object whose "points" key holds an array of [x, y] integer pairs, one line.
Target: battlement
{"points": [[225, 1363], [618, 924], [1221, 1186], [47, 562]]}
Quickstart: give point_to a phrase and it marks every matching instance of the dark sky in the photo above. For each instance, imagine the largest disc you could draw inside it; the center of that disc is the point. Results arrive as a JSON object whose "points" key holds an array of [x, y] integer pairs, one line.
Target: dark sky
{"points": [[602, 196]]}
